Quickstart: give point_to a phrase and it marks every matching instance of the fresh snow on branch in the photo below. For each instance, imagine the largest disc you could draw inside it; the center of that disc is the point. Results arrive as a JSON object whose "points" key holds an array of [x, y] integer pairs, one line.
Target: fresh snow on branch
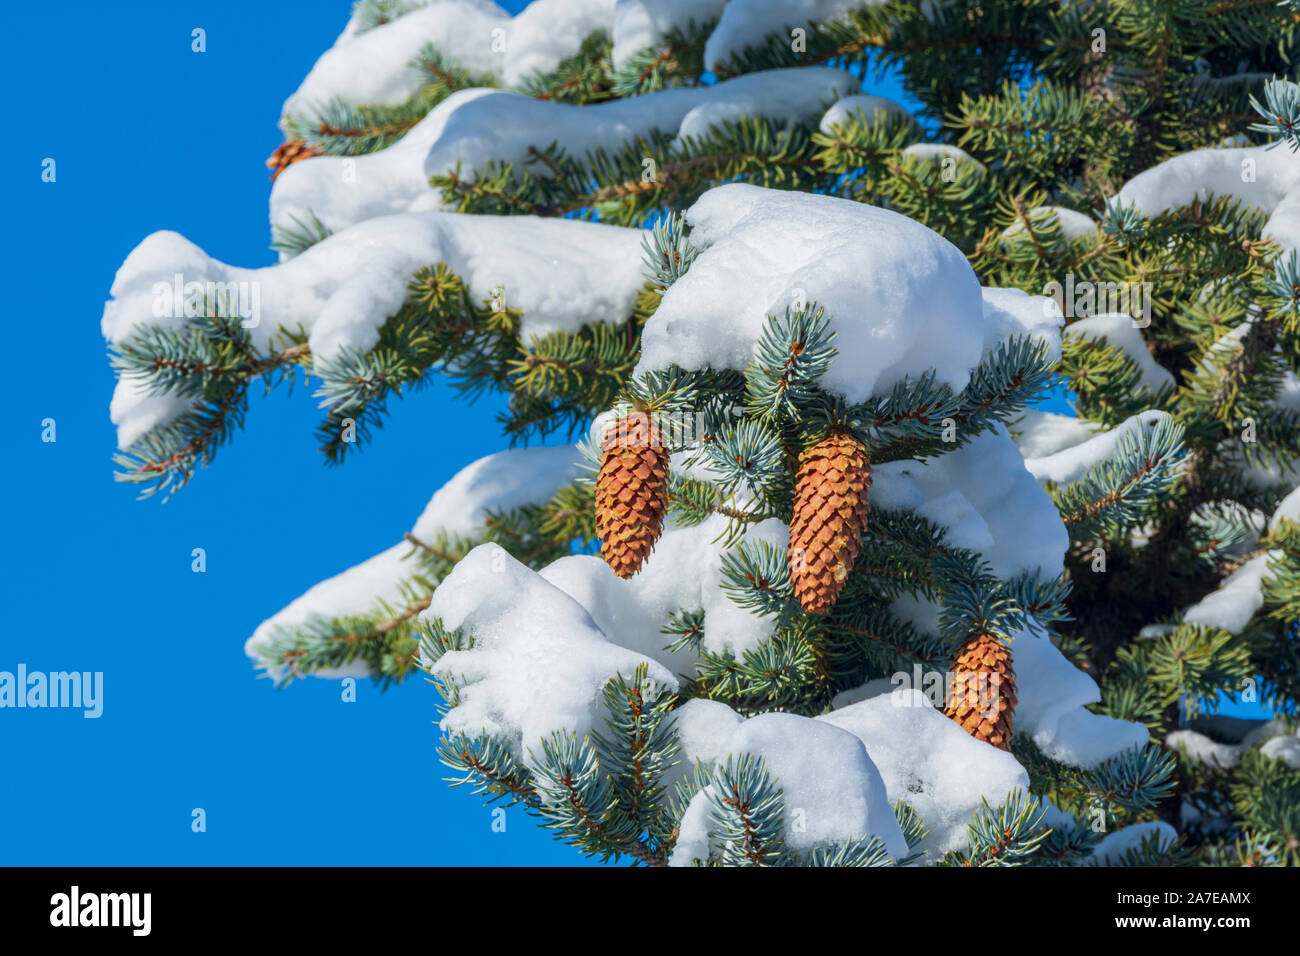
{"points": [[1120, 331], [498, 482], [987, 501], [642, 24], [1114, 845], [474, 127], [1267, 178], [929, 762], [562, 274], [764, 250], [1069, 463], [747, 23], [538, 662], [374, 67], [833, 790], [864, 105], [1042, 434]]}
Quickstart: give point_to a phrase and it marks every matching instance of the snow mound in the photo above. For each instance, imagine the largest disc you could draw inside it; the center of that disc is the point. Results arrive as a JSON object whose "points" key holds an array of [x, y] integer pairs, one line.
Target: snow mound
{"points": [[507, 479], [749, 22], [703, 729], [373, 67], [863, 104], [901, 298], [1204, 749], [1073, 224], [642, 24], [938, 152], [1287, 510], [1268, 179], [987, 501], [1012, 312], [1040, 434], [833, 791], [683, 573], [1070, 463], [1286, 749], [1114, 845], [1120, 331], [497, 482], [473, 127], [561, 273], [1053, 695], [539, 662], [929, 762], [548, 31], [1273, 737], [1234, 602]]}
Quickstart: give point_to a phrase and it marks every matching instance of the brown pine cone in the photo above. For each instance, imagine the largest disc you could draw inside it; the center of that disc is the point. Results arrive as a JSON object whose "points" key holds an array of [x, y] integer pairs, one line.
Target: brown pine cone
{"points": [[982, 690], [631, 492], [830, 514]]}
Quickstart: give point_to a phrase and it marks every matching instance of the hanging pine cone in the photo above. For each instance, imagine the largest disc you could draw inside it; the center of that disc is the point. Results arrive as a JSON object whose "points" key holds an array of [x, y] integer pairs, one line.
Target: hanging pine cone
{"points": [[982, 690], [631, 491], [288, 153], [830, 513]]}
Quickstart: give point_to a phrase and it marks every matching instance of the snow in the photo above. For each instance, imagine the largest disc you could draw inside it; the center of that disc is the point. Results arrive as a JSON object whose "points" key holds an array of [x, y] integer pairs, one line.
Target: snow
{"points": [[1052, 696], [929, 762], [1286, 749], [538, 663], [1014, 312], [1113, 846], [373, 67], [1274, 738], [1268, 179], [986, 499], [860, 104], [703, 729], [750, 22], [787, 96], [1287, 510], [683, 573], [833, 792], [358, 590], [1203, 749], [938, 152], [1120, 331], [1235, 601], [641, 24], [473, 127], [562, 273], [900, 298], [1040, 434], [498, 482], [507, 479], [547, 32], [1070, 463], [693, 841], [1073, 224]]}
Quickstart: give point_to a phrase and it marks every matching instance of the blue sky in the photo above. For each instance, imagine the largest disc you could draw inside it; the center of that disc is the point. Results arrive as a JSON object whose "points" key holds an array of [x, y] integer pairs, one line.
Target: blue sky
{"points": [[148, 135]]}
